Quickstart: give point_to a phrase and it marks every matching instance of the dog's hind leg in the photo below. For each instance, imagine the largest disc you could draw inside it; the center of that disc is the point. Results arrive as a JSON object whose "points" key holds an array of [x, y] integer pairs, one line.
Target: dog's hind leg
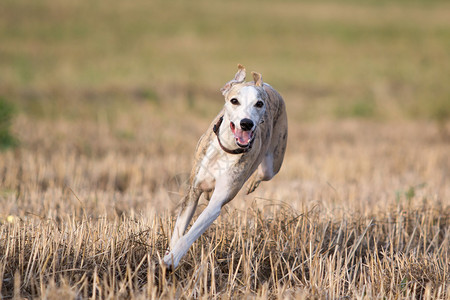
{"points": [[264, 172], [188, 206]]}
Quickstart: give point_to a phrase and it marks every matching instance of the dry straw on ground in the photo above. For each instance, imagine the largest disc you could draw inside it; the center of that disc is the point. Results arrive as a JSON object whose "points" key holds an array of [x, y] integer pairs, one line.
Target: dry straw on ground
{"points": [[359, 210], [112, 97]]}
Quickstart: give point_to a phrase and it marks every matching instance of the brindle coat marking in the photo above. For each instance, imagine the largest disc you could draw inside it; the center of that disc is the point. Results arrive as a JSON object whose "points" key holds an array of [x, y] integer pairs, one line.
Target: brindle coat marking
{"points": [[220, 175]]}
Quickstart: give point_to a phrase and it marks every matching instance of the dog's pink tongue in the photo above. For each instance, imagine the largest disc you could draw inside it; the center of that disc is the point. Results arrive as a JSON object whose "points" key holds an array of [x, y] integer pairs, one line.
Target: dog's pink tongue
{"points": [[243, 137]]}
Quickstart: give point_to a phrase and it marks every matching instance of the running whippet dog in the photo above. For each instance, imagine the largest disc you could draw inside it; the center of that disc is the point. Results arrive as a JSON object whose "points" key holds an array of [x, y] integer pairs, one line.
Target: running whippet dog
{"points": [[247, 137]]}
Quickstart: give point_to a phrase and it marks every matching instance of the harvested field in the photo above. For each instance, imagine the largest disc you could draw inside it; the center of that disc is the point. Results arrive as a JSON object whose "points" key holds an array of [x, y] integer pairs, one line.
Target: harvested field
{"points": [[102, 104], [360, 209]]}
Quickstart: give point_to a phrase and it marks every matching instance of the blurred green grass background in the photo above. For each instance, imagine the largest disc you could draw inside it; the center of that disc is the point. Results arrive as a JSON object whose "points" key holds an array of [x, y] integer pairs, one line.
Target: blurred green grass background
{"points": [[330, 59]]}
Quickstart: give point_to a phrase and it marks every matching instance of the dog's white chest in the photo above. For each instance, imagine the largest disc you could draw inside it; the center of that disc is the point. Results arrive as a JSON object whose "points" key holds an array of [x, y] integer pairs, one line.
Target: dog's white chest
{"points": [[213, 165]]}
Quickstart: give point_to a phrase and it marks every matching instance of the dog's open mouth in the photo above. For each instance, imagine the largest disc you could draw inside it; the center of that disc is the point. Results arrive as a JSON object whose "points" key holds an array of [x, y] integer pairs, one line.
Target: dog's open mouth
{"points": [[243, 138]]}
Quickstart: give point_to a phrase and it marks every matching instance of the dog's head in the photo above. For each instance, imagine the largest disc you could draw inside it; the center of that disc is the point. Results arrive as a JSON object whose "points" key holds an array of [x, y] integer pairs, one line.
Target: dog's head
{"points": [[245, 105]]}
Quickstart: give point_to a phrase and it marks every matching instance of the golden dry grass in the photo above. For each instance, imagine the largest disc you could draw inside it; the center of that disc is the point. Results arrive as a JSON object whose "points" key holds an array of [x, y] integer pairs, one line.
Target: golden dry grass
{"points": [[112, 96], [360, 210]]}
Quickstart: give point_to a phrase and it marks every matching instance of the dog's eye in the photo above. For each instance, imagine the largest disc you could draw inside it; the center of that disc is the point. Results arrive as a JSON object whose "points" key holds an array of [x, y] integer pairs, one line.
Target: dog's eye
{"points": [[259, 104], [234, 101]]}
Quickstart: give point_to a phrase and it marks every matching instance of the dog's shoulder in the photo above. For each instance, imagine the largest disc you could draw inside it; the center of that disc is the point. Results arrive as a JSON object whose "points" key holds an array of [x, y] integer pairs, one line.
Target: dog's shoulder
{"points": [[206, 139], [277, 105], [272, 93]]}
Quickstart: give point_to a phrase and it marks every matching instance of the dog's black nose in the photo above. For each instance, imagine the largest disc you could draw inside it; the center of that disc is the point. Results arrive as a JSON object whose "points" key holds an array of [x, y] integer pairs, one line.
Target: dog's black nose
{"points": [[246, 124]]}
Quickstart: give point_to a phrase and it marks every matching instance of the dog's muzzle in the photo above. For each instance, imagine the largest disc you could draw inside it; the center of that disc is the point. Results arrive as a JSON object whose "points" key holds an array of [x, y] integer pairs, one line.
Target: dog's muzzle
{"points": [[242, 147], [244, 136]]}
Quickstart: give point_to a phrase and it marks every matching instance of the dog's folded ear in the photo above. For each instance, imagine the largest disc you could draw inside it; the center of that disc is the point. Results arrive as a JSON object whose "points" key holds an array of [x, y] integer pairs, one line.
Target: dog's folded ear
{"points": [[238, 78], [257, 78]]}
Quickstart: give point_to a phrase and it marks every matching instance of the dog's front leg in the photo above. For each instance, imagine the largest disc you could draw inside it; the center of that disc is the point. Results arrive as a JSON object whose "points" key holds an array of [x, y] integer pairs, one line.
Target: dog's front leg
{"points": [[184, 217], [222, 194]]}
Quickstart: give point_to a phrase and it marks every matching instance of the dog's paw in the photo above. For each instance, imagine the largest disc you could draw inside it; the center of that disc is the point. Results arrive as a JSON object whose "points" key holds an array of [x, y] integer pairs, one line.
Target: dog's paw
{"points": [[253, 185], [168, 267], [168, 261]]}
